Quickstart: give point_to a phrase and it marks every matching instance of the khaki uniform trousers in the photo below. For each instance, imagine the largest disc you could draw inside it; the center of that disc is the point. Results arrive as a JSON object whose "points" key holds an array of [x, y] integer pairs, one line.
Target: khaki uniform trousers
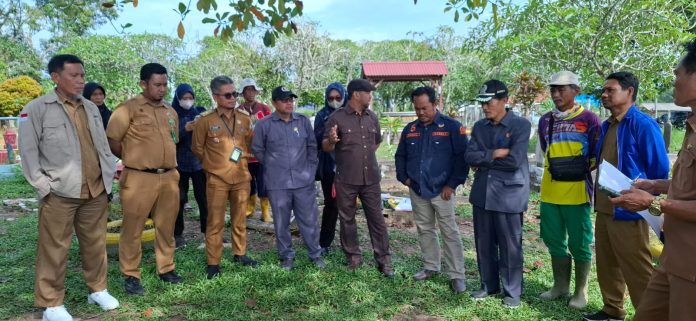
{"points": [[143, 194], [432, 215], [623, 260], [58, 216], [219, 193], [667, 298]]}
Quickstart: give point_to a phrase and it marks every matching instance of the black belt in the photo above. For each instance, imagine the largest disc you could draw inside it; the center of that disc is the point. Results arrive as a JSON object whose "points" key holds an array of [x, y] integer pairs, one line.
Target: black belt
{"points": [[152, 170]]}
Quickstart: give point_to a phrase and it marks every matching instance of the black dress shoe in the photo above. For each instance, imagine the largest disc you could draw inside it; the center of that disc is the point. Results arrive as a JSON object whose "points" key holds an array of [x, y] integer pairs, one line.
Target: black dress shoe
{"points": [[482, 294], [170, 277], [354, 263], [424, 275], [132, 286], [319, 263], [387, 271], [245, 260], [510, 302], [287, 264], [213, 271], [458, 286]]}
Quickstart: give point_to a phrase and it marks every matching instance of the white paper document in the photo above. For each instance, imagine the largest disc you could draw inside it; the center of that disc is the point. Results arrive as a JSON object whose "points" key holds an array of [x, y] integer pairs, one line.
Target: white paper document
{"points": [[612, 180]]}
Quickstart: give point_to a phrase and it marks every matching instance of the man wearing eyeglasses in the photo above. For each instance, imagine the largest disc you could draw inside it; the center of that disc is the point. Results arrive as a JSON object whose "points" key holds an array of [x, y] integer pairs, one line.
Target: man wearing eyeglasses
{"points": [[285, 145], [221, 141]]}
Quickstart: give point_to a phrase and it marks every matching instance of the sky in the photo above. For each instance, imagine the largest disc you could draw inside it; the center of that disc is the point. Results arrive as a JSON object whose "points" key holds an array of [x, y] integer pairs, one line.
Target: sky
{"points": [[356, 20]]}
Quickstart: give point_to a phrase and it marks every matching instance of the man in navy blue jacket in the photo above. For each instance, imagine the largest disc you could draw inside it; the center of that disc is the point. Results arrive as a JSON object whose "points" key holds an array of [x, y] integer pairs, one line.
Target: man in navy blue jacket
{"points": [[500, 193], [631, 141], [430, 161]]}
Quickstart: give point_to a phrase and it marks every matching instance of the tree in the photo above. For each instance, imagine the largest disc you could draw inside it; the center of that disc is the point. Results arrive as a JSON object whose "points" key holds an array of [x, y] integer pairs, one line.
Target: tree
{"points": [[115, 61], [18, 58], [73, 17], [238, 58], [18, 19], [310, 61], [273, 16], [591, 38]]}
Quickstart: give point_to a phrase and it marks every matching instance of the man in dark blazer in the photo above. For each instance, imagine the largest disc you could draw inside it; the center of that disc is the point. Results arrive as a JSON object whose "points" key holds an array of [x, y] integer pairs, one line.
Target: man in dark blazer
{"points": [[497, 151]]}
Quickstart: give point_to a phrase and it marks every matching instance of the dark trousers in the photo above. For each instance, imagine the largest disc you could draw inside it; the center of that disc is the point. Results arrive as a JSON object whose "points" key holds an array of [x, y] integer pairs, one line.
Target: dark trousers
{"points": [[303, 202], [498, 239], [329, 215], [370, 196], [257, 186], [199, 187]]}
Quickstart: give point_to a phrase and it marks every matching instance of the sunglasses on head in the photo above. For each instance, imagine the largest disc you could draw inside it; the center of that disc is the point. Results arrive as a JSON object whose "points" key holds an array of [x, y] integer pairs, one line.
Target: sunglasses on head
{"points": [[229, 95], [334, 98]]}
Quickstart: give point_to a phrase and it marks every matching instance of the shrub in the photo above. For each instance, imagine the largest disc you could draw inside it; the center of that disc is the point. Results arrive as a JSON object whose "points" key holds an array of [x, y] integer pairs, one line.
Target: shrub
{"points": [[17, 92]]}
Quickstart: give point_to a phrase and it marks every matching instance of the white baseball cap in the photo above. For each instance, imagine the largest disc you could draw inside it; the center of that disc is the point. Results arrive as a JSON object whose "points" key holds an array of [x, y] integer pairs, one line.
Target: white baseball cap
{"points": [[564, 78], [246, 82]]}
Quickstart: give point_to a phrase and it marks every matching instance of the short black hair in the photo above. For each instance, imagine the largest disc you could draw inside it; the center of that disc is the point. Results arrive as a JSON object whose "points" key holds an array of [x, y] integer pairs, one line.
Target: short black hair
{"points": [[57, 62], [147, 70], [425, 90], [626, 80], [689, 60], [218, 82]]}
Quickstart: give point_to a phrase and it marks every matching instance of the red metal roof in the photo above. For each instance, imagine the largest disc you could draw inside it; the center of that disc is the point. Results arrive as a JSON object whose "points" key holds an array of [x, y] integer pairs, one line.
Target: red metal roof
{"points": [[403, 70]]}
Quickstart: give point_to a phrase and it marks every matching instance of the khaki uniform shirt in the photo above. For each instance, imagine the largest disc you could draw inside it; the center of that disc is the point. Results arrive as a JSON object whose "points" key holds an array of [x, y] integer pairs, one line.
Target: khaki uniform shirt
{"points": [[680, 236], [56, 156], [92, 185], [356, 158], [147, 131], [214, 138], [609, 153]]}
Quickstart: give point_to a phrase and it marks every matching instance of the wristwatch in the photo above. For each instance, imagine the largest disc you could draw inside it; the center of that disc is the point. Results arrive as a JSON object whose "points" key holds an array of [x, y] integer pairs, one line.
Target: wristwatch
{"points": [[654, 207]]}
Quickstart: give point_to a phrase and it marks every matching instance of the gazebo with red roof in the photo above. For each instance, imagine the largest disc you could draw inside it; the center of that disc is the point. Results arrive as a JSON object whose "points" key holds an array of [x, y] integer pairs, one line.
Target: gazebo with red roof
{"points": [[381, 71]]}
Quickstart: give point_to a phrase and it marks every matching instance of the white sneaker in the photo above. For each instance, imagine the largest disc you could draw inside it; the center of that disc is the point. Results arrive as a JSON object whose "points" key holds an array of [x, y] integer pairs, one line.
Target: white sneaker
{"points": [[58, 313], [103, 299]]}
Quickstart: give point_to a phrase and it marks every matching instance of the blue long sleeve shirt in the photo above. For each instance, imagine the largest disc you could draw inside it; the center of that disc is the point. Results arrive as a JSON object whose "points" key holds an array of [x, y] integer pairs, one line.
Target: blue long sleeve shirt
{"points": [[432, 156]]}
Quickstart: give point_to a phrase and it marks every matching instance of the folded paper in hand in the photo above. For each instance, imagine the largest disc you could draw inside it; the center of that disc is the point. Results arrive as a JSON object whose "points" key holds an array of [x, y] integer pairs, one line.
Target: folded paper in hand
{"points": [[613, 181]]}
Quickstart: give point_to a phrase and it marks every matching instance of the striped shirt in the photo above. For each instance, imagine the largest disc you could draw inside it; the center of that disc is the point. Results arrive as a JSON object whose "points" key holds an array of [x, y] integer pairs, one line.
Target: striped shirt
{"points": [[576, 134]]}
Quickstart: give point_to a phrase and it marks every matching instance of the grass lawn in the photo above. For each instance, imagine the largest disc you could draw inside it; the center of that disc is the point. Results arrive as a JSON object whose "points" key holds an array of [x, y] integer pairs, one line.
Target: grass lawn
{"points": [[270, 293]]}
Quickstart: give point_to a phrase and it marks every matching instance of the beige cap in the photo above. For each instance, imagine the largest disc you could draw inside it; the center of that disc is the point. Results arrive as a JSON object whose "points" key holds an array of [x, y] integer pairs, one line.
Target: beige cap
{"points": [[564, 78]]}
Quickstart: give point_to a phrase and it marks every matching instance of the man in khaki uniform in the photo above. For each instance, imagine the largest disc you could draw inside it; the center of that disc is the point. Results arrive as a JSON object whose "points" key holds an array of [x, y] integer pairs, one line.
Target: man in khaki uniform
{"points": [[66, 159], [670, 292], [143, 132], [221, 141]]}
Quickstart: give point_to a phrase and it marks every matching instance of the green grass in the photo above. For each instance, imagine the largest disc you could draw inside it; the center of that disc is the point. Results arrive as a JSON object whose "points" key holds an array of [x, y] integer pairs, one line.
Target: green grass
{"points": [[676, 140], [270, 293], [15, 187]]}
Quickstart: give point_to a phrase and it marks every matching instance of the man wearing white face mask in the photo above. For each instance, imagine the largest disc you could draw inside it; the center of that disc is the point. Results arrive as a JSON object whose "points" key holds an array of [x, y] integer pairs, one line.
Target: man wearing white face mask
{"points": [[188, 165]]}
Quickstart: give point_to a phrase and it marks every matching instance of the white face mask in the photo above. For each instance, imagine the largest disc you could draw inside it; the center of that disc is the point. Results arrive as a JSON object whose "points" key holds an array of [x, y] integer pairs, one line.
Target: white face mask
{"points": [[336, 104], [186, 103]]}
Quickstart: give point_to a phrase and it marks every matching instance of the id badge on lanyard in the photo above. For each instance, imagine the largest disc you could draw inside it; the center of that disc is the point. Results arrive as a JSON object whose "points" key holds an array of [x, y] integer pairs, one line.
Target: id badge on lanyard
{"points": [[237, 152]]}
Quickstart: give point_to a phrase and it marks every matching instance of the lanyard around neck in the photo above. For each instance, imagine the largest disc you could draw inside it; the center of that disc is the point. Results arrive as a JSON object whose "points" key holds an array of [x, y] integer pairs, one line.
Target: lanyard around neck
{"points": [[234, 125]]}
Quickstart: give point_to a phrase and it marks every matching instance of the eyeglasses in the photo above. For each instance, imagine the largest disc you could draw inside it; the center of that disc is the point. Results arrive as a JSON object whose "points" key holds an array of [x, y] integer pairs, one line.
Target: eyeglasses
{"points": [[229, 95], [287, 100], [334, 98]]}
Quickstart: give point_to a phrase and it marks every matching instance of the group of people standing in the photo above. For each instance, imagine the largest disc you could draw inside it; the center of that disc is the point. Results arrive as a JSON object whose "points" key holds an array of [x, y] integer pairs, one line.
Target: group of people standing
{"points": [[237, 154]]}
